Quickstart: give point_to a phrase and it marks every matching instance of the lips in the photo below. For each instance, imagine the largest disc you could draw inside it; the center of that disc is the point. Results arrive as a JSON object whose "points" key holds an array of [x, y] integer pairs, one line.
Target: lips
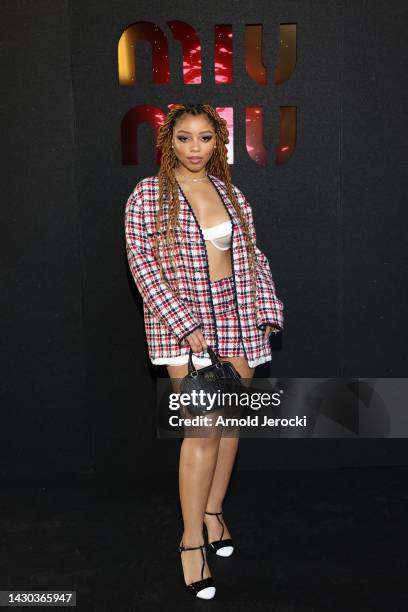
{"points": [[195, 159]]}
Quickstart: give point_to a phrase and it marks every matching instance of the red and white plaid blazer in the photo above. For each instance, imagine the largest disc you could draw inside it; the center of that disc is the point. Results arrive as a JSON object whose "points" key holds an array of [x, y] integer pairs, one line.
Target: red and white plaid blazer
{"points": [[170, 318]]}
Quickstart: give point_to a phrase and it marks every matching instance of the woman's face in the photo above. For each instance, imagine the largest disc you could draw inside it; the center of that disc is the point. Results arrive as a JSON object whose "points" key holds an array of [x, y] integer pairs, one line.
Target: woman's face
{"points": [[193, 141]]}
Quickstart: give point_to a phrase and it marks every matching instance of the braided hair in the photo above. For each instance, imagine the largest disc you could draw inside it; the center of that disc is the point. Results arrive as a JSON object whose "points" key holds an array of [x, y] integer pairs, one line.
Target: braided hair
{"points": [[169, 203]]}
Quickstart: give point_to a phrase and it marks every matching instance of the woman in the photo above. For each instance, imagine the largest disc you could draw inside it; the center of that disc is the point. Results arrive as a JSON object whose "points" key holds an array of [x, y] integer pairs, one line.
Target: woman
{"points": [[191, 247]]}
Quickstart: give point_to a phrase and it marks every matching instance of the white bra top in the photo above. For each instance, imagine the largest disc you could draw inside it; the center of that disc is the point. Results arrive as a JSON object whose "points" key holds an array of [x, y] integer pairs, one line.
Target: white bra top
{"points": [[219, 235]]}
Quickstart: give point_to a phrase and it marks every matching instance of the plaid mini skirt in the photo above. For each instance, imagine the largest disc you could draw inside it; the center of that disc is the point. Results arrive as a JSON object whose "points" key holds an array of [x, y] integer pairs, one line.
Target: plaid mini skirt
{"points": [[223, 298], [228, 331]]}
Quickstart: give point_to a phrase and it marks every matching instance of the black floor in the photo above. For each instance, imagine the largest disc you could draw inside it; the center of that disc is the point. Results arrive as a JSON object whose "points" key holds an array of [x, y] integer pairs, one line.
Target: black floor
{"points": [[315, 540]]}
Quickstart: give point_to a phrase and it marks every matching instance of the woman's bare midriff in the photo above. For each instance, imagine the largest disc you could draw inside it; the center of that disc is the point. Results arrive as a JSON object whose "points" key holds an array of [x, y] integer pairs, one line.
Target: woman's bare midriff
{"points": [[209, 211], [219, 262]]}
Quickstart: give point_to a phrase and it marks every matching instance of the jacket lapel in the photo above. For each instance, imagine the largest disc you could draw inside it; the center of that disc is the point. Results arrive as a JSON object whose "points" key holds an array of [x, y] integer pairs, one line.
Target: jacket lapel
{"points": [[238, 236], [220, 187], [190, 224]]}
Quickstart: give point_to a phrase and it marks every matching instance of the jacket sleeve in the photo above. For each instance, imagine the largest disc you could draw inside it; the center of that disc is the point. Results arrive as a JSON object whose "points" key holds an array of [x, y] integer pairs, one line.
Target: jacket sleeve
{"points": [[270, 307], [156, 292]]}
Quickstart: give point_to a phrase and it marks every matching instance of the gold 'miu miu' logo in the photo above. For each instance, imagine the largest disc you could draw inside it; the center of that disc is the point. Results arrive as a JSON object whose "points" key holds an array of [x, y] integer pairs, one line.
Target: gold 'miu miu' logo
{"points": [[189, 39]]}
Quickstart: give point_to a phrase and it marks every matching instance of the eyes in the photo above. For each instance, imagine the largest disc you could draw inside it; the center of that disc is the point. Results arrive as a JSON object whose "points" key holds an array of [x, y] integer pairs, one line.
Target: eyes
{"points": [[205, 138]]}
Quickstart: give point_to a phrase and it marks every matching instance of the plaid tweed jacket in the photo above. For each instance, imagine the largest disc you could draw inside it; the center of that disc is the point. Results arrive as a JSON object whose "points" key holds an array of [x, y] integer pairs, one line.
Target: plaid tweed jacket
{"points": [[168, 317]]}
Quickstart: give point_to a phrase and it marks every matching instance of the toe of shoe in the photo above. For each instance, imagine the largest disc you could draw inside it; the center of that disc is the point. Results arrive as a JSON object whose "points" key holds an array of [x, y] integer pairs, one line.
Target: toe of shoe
{"points": [[225, 551], [223, 548], [207, 593]]}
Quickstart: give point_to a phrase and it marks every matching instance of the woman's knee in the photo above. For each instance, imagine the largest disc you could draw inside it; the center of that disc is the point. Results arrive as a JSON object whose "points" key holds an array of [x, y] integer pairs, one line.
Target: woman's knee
{"points": [[202, 445]]}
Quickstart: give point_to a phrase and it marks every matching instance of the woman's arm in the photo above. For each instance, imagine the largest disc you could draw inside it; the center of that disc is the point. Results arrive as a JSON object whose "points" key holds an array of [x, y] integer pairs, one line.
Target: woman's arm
{"points": [[156, 292], [270, 307]]}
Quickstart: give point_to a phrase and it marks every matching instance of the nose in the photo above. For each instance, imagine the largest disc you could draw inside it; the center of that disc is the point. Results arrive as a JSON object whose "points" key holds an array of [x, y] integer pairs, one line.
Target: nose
{"points": [[195, 146]]}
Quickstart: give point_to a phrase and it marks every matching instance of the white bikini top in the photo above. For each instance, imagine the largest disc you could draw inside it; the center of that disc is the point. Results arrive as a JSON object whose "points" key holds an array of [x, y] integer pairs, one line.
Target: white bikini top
{"points": [[219, 235]]}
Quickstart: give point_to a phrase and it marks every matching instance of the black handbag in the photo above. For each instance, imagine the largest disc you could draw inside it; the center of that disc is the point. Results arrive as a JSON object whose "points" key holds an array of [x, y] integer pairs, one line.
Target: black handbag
{"points": [[220, 376]]}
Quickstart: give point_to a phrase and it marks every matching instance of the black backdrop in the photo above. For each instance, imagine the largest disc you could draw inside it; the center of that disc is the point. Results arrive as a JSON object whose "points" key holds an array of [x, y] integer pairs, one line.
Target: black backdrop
{"points": [[77, 388]]}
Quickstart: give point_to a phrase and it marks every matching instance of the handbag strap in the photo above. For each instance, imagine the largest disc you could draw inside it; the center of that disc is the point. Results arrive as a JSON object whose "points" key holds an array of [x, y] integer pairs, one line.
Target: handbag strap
{"points": [[214, 359]]}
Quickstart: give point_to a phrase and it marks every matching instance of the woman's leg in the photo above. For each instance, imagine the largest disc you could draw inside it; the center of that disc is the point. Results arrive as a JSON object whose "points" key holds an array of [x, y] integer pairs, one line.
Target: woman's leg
{"points": [[225, 462], [198, 458]]}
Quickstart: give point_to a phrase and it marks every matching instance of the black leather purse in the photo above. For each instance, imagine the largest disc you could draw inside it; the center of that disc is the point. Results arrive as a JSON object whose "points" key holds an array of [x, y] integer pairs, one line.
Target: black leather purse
{"points": [[220, 376]]}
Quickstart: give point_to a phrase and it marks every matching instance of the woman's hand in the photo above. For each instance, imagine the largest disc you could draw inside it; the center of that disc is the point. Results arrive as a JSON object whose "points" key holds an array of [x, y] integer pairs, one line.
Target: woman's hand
{"points": [[269, 329], [197, 341]]}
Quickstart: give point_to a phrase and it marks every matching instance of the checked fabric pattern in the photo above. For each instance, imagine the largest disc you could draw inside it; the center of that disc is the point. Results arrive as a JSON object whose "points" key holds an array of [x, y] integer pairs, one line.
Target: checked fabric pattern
{"points": [[168, 317]]}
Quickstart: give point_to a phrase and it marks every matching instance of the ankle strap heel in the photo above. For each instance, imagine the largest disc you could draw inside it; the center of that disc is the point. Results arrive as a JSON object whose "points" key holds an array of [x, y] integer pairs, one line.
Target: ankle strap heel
{"points": [[204, 588], [219, 520], [222, 548]]}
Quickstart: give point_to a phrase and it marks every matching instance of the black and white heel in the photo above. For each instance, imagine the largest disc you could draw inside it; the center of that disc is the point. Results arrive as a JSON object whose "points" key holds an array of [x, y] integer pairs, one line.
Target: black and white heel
{"points": [[204, 588], [222, 548]]}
